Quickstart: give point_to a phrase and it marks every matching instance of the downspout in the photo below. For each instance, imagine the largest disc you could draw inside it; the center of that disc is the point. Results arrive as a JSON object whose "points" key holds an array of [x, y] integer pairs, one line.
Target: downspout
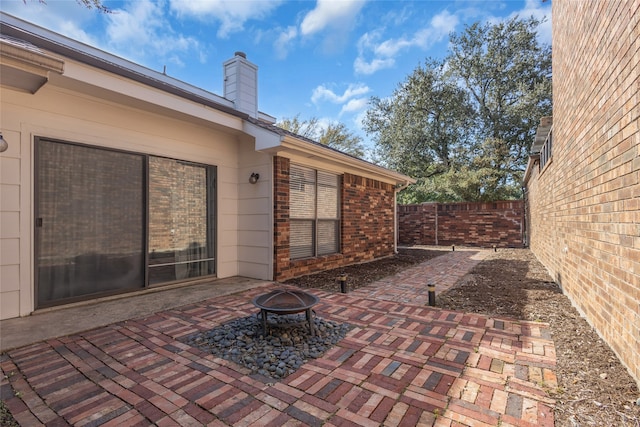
{"points": [[398, 188], [524, 227]]}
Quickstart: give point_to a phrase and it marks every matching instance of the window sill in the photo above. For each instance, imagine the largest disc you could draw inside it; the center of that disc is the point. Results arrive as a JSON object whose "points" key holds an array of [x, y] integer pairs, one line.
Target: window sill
{"points": [[319, 258]]}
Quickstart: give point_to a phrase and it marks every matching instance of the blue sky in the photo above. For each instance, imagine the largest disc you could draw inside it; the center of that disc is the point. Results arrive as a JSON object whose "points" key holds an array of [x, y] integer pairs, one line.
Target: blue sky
{"points": [[320, 58]]}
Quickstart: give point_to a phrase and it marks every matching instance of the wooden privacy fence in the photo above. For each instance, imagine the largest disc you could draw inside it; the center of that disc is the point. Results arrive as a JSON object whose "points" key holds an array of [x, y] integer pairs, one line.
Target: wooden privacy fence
{"points": [[481, 224]]}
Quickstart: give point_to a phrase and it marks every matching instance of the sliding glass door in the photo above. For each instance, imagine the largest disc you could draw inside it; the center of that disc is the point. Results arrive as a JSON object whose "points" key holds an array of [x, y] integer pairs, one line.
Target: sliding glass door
{"points": [[110, 221], [180, 220], [89, 221]]}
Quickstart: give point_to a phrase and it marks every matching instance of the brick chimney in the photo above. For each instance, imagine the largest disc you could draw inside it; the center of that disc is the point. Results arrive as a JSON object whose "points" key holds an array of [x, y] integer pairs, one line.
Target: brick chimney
{"points": [[241, 83]]}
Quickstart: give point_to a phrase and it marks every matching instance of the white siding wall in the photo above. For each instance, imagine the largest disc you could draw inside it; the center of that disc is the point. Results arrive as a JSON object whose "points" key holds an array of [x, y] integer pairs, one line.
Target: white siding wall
{"points": [[255, 215], [244, 242], [10, 225]]}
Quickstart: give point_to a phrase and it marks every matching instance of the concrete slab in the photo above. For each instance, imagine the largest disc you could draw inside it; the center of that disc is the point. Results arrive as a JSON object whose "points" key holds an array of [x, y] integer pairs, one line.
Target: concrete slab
{"points": [[71, 319]]}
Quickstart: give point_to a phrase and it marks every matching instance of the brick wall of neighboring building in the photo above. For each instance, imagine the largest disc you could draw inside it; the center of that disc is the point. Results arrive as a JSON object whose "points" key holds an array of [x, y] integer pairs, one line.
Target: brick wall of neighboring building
{"points": [[585, 203], [177, 205], [367, 224], [465, 224]]}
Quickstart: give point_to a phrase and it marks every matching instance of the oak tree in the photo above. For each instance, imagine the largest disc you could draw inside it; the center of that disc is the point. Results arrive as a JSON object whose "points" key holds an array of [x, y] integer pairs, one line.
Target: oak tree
{"points": [[463, 125], [334, 135]]}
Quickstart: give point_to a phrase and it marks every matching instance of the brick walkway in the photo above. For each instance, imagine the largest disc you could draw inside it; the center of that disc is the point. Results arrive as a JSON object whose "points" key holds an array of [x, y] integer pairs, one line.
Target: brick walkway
{"points": [[403, 364], [410, 285]]}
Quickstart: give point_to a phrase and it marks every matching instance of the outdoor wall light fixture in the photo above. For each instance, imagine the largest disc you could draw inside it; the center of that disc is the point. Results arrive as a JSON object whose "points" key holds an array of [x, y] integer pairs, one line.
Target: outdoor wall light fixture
{"points": [[254, 177], [3, 144]]}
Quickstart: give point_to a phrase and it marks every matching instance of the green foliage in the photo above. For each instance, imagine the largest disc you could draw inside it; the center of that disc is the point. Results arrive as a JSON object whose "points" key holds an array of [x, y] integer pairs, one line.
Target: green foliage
{"points": [[334, 135], [306, 128], [419, 130], [508, 75], [463, 126], [337, 135]]}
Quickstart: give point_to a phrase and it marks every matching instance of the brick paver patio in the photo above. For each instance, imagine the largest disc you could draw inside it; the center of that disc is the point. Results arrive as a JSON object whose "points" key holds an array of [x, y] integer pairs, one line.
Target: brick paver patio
{"points": [[403, 364]]}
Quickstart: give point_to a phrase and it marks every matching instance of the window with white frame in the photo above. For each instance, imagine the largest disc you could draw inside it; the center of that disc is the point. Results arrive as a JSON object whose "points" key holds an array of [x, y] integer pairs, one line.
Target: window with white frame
{"points": [[314, 212], [546, 151]]}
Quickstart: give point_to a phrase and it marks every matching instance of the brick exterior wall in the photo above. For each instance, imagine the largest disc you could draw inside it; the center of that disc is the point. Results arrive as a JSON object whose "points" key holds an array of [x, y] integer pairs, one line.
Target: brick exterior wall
{"points": [[281, 229], [367, 224], [367, 218], [464, 224], [585, 203]]}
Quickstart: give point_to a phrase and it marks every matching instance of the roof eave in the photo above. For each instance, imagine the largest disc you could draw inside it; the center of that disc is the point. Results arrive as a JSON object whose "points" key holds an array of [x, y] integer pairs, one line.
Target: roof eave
{"points": [[542, 131], [72, 49], [24, 67], [348, 162]]}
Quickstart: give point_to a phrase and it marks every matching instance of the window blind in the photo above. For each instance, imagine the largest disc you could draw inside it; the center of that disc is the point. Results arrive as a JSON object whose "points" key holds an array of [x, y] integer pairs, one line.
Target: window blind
{"points": [[314, 212]]}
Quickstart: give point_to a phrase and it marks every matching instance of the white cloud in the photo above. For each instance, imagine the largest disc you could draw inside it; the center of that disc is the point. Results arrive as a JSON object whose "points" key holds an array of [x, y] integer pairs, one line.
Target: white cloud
{"points": [[155, 40], [138, 30], [231, 14], [444, 23], [397, 17], [535, 8], [71, 29], [368, 42], [124, 25], [333, 20], [358, 120], [330, 13], [440, 26], [176, 60], [539, 11], [66, 18], [282, 43], [361, 66], [202, 57], [389, 48], [353, 90], [354, 105], [384, 53]]}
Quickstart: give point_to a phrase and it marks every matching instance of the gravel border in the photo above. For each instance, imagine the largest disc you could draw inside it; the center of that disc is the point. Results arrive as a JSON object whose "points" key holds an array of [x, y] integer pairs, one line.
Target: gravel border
{"points": [[286, 346]]}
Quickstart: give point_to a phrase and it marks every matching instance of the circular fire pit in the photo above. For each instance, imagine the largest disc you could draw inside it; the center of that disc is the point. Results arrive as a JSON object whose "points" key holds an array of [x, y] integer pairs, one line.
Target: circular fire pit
{"points": [[282, 302]]}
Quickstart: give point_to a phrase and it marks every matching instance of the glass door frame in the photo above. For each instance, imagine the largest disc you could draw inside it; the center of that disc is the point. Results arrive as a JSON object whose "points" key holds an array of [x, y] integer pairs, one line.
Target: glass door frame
{"points": [[211, 218], [211, 172]]}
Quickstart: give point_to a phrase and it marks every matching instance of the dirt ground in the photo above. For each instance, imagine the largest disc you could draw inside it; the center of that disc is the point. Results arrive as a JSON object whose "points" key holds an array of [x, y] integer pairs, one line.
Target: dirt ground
{"points": [[594, 388]]}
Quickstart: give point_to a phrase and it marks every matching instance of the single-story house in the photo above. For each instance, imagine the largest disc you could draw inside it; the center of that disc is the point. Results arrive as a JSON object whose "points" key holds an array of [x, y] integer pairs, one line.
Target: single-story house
{"points": [[583, 179], [118, 178]]}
